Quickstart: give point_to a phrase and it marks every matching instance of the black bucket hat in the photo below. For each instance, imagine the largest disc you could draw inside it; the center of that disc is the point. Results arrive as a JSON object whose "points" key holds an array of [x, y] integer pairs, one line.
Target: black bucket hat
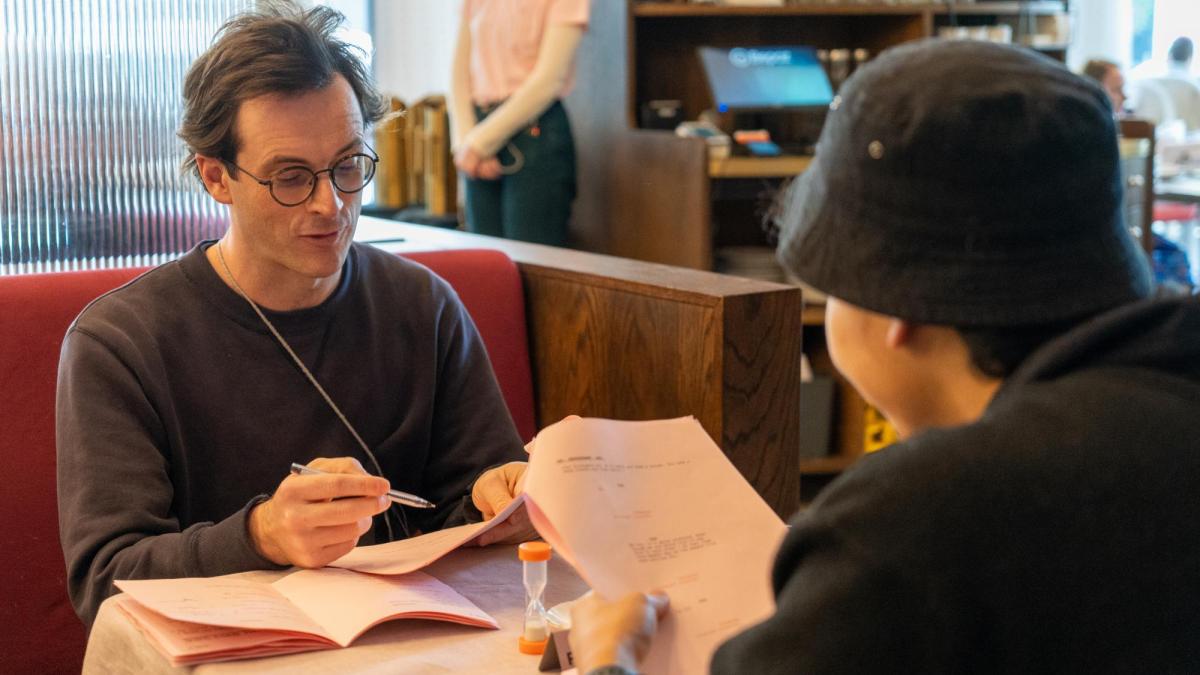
{"points": [[969, 184]]}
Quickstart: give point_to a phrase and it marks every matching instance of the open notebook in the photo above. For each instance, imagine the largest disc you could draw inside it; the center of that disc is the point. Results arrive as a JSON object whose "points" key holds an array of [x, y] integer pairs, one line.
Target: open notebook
{"points": [[198, 620]]}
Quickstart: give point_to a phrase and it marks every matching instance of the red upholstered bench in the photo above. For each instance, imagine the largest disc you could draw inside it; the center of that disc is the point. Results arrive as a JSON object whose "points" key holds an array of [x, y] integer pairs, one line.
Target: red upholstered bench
{"points": [[41, 633], [1165, 210]]}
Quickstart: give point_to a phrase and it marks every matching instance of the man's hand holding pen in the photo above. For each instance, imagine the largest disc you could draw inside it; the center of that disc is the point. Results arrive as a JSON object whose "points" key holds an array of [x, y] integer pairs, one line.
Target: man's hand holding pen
{"points": [[320, 510], [312, 520]]}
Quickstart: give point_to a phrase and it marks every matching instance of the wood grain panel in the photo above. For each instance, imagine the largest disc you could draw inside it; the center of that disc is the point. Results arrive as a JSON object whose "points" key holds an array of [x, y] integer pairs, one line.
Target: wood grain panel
{"points": [[660, 208], [607, 352], [761, 385]]}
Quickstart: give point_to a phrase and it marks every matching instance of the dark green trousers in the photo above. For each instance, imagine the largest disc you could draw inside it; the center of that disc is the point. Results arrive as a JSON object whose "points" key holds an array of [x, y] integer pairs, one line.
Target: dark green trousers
{"points": [[533, 203]]}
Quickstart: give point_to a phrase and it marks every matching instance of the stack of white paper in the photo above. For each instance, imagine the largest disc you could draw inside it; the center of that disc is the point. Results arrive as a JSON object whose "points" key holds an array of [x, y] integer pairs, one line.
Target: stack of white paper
{"points": [[643, 506]]}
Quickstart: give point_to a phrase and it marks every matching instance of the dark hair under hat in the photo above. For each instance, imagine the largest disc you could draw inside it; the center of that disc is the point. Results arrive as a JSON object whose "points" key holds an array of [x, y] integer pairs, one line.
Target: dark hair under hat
{"points": [[968, 184]]}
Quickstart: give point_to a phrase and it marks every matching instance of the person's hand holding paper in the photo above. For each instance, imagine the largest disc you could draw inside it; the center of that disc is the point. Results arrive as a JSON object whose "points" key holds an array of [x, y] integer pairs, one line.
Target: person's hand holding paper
{"points": [[495, 490], [639, 507], [499, 494], [614, 633], [492, 493]]}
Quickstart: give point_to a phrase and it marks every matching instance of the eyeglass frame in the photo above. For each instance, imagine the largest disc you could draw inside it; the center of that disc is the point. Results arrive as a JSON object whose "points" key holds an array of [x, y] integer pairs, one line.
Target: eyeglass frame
{"points": [[316, 175]]}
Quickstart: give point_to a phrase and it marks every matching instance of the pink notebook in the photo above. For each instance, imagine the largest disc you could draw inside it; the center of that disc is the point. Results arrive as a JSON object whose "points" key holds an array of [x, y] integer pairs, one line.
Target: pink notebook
{"points": [[199, 620]]}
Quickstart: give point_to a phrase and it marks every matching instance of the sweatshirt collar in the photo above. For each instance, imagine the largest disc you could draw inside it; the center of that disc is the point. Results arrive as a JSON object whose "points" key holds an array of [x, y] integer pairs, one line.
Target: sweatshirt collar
{"points": [[200, 273]]}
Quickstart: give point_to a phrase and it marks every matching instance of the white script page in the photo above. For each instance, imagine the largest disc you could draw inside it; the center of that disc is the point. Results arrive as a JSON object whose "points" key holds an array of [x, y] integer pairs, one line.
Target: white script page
{"points": [[348, 603], [643, 506], [409, 555], [221, 601]]}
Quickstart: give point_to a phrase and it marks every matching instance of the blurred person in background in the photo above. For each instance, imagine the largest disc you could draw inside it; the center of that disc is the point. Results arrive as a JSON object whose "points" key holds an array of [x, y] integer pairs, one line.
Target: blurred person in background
{"points": [[1171, 101], [513, 64], [1111, 79], [1179, 58]]}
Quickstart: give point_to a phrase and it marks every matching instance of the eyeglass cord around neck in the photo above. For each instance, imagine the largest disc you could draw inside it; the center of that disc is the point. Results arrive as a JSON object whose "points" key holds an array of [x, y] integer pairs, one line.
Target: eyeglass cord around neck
{"points": [[402, 518]]}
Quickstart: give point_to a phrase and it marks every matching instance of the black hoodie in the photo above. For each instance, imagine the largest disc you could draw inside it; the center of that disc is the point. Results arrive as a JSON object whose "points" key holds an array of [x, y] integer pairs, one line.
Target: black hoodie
{"points": [[1058, 533]]}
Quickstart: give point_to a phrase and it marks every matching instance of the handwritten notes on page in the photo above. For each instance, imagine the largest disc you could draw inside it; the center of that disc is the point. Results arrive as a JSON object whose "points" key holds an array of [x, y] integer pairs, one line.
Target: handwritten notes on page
{"points": [[643, 506], [198, 620], [407, 555]]}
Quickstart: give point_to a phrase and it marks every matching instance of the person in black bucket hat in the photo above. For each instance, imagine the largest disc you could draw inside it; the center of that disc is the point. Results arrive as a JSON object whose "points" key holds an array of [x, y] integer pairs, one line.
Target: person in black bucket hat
{"points": [[923, 201], [1039, 513]]}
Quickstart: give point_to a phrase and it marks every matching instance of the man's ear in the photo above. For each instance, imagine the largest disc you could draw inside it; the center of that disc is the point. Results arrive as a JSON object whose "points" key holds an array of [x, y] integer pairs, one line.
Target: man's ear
{"points": [[899, 333], [215, 177]]}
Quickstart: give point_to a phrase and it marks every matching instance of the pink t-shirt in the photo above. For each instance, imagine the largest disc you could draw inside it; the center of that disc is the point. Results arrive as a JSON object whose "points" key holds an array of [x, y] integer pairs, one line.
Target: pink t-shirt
{"points": [[505, 37]]}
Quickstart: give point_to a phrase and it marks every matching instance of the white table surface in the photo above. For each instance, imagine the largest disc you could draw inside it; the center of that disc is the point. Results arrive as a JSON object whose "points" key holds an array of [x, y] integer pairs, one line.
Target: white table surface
{"points": [[489, 577]]}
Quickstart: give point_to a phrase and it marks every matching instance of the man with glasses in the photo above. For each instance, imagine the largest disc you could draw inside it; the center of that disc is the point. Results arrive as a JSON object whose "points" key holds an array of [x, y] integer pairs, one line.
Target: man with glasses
{"points": [[185, 395], [296, 184]]}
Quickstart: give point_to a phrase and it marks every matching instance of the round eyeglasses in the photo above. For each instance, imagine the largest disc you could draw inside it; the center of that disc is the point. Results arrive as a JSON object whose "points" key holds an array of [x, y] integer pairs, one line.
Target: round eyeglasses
{"points": [[292, 186]]}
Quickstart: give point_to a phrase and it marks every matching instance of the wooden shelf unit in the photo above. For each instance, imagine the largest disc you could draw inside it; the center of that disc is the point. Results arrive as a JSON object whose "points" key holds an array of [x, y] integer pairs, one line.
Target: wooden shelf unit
{"points": [[784, 166], [676, 10], [826, 465], [648, 194], [1004, 8], [651, 195]]}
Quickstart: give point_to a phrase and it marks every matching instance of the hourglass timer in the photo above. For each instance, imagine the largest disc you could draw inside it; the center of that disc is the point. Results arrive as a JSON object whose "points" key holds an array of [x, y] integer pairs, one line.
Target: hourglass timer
{"points": [[534, 555]]}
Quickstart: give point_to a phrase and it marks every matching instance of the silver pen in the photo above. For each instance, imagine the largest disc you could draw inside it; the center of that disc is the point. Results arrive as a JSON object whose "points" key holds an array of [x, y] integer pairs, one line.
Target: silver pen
{"points": [[394, 495]]}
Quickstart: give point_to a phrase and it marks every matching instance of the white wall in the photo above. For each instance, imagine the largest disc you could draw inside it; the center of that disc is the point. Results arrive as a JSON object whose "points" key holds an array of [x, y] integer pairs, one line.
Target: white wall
{"points": [[1175, 19], [1103, 29], [414, 46]]}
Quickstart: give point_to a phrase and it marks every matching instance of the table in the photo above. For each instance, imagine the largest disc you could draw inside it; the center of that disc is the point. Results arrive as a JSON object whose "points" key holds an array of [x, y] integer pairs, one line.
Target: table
{"points": [[489, 577]]}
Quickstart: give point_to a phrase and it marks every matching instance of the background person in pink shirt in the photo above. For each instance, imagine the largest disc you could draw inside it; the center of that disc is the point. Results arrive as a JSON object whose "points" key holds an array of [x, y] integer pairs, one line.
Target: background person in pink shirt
{"points": [[513, 63]]}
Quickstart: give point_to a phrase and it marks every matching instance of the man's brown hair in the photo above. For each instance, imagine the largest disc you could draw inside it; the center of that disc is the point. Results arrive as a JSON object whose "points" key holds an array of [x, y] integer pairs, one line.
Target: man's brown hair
{"points": [[1098, 69], [278, 49]]}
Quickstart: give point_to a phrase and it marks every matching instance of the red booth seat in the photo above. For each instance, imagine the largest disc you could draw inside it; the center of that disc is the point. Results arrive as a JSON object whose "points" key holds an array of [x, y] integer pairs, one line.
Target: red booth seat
{"points": [[1164, 210], [41, 633]]}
